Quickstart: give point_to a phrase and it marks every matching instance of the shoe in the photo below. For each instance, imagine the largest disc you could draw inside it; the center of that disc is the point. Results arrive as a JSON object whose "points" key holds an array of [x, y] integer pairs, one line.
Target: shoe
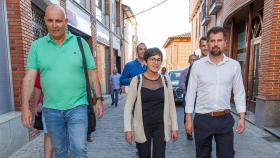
{"points": [[189, 137], [89, 138], [112, 103]]}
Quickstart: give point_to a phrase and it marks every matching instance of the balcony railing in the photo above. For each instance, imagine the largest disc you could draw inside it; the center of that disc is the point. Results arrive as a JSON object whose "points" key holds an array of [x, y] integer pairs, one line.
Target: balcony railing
{"points": [[205, 18], [215, 6]]}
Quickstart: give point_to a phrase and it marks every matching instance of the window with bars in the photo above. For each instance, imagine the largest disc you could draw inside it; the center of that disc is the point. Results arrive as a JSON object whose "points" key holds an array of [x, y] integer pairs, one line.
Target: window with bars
{"points": [[38, 25]]}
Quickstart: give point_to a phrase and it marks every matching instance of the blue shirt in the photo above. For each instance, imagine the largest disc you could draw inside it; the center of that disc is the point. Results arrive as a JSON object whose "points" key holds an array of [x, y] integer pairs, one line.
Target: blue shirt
{"points": [[132, 69], [115, 79]]}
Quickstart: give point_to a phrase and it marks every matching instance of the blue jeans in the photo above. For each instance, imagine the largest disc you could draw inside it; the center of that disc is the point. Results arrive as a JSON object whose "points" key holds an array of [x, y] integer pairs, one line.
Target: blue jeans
{"points": [[115, 96], [68, 128]]}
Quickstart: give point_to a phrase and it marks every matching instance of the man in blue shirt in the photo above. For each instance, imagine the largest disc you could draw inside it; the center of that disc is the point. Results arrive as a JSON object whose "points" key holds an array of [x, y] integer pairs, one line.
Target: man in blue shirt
{"points": [[115, 82], [135, 67]]}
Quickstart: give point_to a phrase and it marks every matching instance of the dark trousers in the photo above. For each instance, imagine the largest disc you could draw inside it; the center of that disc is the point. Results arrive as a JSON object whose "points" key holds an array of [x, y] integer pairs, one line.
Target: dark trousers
{"points": [[115, 96], [220, 128], [153, 134], [184, 104]]}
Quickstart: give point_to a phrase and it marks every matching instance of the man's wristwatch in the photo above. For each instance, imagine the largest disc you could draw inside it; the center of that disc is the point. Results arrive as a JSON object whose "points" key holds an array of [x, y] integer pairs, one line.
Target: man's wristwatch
{"points": [[100, 98]]}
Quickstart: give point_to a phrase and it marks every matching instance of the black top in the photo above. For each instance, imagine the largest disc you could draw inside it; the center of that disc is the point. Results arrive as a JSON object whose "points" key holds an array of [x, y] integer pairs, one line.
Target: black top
{"points": [[152, 101]]}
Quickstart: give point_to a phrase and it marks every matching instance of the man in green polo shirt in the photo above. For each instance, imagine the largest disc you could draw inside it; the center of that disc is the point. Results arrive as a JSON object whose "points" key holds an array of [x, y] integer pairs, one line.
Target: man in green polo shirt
{"points": [[58, 58]]}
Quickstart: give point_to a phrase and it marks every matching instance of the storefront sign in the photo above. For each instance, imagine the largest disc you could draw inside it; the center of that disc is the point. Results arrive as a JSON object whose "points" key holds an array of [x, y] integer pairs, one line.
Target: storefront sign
{"points": [[78, 18], [102, 34], [117, 44]]}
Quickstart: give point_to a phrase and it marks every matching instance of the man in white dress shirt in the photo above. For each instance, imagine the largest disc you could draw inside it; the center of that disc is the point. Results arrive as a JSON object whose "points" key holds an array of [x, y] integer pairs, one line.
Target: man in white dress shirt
{"points": [[212, 79]]}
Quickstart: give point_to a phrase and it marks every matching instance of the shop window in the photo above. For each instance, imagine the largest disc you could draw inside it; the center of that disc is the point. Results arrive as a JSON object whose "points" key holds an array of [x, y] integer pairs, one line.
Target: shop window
{"points": [[5, 84], [84, 3], [114, 15], [99, 4], [241, 45], [254, 56], [100, 11]]}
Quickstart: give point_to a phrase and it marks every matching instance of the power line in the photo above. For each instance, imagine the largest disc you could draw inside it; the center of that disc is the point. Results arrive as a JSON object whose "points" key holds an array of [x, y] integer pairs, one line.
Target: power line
{"points": [[147, 9]]}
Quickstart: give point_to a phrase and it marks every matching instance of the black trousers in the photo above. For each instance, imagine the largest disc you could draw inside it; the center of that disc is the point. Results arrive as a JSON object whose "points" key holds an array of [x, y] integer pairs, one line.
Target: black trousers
{"points": [[220, 128], [155, 135]]}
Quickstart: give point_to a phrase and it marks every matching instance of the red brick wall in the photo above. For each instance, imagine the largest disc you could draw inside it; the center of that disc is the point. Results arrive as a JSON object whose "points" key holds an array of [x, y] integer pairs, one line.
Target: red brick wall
{"points": [[107, 7], [230, 6], [118, 12], [93, 38], [20, 38], [269, 67], [108, 12]]}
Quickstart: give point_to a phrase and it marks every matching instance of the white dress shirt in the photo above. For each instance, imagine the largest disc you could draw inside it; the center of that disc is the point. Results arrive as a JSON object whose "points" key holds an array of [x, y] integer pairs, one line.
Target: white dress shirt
{"points": [[212, 84]]}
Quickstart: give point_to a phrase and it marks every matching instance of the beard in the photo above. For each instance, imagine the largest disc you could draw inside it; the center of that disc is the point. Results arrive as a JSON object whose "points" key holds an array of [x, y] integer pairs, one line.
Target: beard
{"points": [[216, 53]]}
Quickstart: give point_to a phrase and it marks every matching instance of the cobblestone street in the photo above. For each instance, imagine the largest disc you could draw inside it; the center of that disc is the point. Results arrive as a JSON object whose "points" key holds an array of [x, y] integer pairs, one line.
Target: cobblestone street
{"points": [[109, 141]]}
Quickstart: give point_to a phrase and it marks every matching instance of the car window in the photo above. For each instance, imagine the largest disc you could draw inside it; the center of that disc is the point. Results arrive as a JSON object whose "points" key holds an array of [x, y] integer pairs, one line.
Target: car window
{"points": [[174, 75]]}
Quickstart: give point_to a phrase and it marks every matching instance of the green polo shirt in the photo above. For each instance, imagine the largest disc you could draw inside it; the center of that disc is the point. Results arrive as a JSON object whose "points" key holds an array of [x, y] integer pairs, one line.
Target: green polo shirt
{"points": [[61, 70]]}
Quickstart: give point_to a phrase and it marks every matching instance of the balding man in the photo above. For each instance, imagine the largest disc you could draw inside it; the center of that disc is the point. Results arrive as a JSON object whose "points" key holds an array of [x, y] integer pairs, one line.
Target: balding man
{"points": [[58, 58]]}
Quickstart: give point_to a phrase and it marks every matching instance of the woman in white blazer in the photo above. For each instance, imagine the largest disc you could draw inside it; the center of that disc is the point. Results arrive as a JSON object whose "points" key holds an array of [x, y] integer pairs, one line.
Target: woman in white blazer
{"points": [[151, 103]]}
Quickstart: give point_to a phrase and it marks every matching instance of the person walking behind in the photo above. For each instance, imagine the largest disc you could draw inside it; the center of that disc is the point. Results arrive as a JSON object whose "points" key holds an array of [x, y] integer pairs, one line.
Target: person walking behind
{"points": [[116, 88], [182, 82], [58, 58], [163, 71], [150, 98], [203, 47], [134, 67], [38, 102], [212, 79]]}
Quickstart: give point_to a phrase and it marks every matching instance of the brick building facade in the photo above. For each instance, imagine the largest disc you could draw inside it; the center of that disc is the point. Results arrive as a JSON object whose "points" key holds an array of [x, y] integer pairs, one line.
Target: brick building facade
{"points": [[99, 22], [252, 39], [178, 49]]}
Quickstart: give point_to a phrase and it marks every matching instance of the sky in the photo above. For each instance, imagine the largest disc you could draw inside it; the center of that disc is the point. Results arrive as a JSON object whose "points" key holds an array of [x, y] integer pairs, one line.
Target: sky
{"points": [[156, 25]]}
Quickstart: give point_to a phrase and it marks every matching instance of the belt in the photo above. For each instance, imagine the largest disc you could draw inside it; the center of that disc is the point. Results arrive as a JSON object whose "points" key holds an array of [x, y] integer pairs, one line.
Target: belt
{"points": [[219, 113]]}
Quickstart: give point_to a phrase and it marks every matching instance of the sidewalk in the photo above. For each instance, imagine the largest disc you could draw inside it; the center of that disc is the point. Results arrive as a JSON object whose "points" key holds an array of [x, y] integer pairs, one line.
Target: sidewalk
{"points": [[34, 149], [251, 117], [109, 142]]}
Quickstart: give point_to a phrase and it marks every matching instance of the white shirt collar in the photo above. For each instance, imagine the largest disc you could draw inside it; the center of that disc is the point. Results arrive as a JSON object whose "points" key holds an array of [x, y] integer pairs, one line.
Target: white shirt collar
{"points": [[225, 59]]}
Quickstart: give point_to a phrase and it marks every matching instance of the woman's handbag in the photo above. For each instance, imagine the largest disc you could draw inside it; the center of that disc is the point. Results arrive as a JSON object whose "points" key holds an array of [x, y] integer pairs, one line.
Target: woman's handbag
{"points": [[91, 113]]}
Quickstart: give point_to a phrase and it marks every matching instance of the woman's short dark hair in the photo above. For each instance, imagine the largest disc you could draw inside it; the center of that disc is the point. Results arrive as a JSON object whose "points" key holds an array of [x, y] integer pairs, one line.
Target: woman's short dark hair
{"points": [[215, 30], [152, 52]]}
